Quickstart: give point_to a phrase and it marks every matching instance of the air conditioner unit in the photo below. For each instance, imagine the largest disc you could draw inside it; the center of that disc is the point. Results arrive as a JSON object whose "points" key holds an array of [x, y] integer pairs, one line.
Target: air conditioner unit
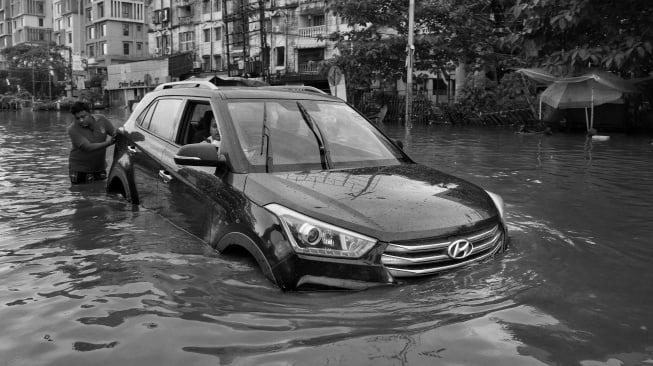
{"points": [[168, 50], [197, 65]]}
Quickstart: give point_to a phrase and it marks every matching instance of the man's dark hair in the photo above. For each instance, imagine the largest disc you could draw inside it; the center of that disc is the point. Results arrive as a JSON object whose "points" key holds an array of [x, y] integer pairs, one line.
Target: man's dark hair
{"points": [[78, 107]]}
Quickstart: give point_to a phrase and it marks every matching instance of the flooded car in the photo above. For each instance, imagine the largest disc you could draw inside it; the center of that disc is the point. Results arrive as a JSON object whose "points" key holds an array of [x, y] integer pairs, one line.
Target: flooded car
{"points": [[300, 180]]}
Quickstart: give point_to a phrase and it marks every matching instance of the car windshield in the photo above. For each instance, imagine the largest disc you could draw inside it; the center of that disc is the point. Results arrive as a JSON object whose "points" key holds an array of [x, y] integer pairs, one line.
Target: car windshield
{"points": [[288, 135]]}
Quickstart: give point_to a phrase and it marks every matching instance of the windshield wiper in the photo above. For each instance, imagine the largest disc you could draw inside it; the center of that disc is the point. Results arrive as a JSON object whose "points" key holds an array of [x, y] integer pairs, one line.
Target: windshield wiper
{"points": [[265, 137], [325, 154]]}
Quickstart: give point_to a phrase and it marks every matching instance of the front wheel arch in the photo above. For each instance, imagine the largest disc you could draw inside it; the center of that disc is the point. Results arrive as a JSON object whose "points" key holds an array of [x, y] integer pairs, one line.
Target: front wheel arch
{"points": [[243, 241], [118, 184]]}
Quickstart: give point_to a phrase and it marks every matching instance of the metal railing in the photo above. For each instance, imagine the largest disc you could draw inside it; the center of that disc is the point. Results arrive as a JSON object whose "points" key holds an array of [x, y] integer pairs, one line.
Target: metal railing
{"points": [[310, 67], [312, 32]]}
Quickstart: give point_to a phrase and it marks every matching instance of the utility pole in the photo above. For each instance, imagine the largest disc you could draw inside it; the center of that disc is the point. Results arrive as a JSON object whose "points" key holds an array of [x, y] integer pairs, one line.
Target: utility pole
{"points": [[211, 36], [225, 20], [409, 65], [264, 42], [33, 85]]}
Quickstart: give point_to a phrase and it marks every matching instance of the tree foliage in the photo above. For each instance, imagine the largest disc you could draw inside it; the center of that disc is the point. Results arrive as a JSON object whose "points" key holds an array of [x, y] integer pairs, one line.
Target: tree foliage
{"points": [[30, 67], [446, 32], [564, 36], [567, 36]]}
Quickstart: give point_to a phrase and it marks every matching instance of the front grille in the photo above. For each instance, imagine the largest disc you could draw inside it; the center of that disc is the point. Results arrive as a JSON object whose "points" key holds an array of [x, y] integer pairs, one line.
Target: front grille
{"points": [[422, 258]]}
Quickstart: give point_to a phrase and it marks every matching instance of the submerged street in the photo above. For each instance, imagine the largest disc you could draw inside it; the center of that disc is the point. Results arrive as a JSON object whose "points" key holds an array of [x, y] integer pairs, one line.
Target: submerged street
{"points": [[89, 279]]}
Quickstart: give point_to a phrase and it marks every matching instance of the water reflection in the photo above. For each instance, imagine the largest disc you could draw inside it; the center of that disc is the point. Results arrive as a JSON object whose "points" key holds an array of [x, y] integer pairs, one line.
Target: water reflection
{"points": [[89, 278]]}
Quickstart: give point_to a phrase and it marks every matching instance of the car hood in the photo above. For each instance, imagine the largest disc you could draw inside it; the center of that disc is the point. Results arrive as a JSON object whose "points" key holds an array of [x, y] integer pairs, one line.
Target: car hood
{"points": [[392, 203]]}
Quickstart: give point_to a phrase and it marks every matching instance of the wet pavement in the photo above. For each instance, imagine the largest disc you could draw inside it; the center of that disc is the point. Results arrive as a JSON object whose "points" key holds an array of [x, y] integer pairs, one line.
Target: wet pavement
{"points": [[90, 279]]}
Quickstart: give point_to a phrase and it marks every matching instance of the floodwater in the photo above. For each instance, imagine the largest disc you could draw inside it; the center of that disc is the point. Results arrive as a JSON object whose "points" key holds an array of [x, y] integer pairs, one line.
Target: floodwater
{"points": [[87, 279]]}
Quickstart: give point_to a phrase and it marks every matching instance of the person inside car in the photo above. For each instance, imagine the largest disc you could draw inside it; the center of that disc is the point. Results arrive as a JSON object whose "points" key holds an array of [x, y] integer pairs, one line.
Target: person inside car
{"points": [[214, 137], [90, 136], [204, 127]]}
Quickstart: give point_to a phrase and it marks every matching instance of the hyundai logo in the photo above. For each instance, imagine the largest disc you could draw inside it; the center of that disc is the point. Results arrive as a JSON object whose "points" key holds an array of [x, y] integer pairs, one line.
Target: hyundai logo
{"points": [[460, 249]]}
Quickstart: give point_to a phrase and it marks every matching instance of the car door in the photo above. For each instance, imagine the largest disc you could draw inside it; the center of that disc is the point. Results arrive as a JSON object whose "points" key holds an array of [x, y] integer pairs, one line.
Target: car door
{"points": [[146, 145], [187, 193]]}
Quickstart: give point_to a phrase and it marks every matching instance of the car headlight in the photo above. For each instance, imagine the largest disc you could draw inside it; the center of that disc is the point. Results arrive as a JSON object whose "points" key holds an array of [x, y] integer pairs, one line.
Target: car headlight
{"points": [[498, 202], [314, 237]]}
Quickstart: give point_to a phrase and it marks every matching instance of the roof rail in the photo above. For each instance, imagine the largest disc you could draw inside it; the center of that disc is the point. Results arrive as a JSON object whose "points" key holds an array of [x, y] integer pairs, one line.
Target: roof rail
{"points": [[298, 88], [188, 84]]}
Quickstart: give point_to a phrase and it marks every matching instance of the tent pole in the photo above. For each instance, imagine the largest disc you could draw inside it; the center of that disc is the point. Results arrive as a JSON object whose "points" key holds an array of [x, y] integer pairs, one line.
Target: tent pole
{"points": [[587, 123], [592, 119], [540, 109]]}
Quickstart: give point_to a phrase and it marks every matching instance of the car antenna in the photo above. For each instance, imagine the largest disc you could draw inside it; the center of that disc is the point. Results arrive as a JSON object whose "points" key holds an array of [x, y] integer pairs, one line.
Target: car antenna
{"points": [[325, 155], [265, 135]]}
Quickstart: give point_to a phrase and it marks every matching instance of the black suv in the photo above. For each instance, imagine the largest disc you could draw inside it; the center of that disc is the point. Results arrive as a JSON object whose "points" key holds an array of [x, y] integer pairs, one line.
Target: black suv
{"points": [[303, 182]]}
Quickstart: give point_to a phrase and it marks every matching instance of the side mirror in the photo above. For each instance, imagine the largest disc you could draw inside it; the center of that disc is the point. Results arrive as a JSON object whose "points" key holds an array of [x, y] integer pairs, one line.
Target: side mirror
{"points": [[200, 154], [400, 144]]}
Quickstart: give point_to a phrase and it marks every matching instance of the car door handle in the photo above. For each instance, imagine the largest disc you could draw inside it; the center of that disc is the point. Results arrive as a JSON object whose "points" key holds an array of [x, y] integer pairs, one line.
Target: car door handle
{"points": [[131, 149], [165, 176]]}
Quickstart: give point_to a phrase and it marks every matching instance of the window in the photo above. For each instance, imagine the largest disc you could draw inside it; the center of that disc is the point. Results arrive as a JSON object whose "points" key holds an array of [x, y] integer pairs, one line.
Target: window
{"points": [[186, 41], [139, 46], [281, 56], [139, 28], [89, 15], [69, 21], [316, 20], [104, 48], [125, 29], [162, 121], [70, 37], [103, 30], [100, 10], [126, 10], [40, 22], [125, 48], [91, 51], [194, 113], [217, 62], [207, 35], [218, 33]]}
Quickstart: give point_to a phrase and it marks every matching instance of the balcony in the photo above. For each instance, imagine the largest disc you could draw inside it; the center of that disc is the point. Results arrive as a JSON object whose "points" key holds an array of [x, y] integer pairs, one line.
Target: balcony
{"points": [[312, 32], [184, 2], [185, 20], [311, 67]]}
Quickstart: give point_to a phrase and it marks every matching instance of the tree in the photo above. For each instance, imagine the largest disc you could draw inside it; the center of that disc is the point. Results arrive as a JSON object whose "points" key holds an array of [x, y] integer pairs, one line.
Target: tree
{"points": [[446, 32], [568, 36], [37, 68]]}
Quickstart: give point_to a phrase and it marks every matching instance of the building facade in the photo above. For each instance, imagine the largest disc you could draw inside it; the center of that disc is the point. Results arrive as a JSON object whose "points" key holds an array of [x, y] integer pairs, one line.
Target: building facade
{"points": [[276, 40], [5, 30], [31, 21], [115, 32]]}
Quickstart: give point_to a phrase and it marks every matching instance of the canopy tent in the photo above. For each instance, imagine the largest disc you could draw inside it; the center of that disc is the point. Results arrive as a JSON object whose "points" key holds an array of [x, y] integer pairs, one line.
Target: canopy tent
{"points": [[585, 91]]}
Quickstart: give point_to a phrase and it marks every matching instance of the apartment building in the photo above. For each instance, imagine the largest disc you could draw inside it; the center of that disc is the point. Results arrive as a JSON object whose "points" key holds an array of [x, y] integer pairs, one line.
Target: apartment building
{"points": [[68, 25], [5, 24], [31, 21], [5, 30], [278, 40], [115, 32]]}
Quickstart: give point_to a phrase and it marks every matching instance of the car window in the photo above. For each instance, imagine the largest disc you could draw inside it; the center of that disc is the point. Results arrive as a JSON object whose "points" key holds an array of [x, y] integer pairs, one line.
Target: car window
{"points": [[164, 113], [351, 140], [194, 123], [144, 118]]}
